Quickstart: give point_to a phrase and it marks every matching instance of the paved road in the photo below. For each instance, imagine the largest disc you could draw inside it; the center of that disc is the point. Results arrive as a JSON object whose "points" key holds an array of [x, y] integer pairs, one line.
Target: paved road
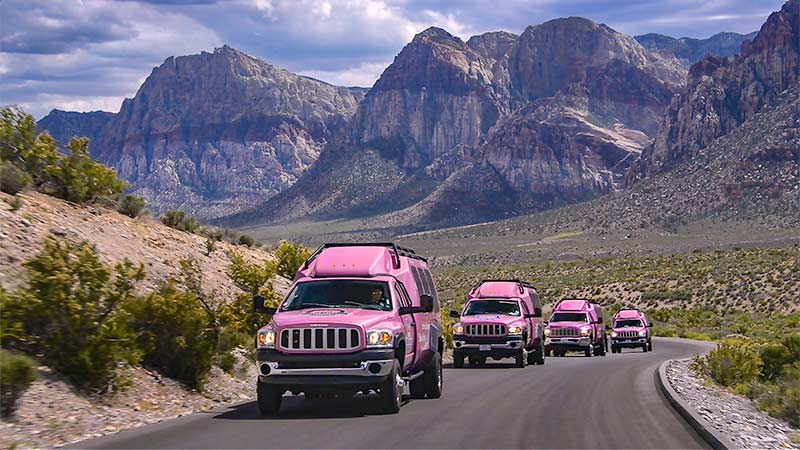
{"points": [[570, 402]]}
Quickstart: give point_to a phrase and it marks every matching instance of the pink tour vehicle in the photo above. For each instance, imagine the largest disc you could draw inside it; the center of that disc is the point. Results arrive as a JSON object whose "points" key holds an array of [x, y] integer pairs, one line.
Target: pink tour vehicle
{"points": [[501, 319], [358, 318], [630, 329], [576, 325]]}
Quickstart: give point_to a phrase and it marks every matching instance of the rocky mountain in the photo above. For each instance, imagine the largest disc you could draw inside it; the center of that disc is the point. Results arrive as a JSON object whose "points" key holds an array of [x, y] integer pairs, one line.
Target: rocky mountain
{"points": [[63, 125], [539, 119], [690, 50], [723, 93], [217, 132]]}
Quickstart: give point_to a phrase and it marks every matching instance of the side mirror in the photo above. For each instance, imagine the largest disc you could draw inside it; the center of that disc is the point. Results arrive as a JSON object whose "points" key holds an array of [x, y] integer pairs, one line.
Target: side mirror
{"points": [[454, 314], [537, 312], [546, 322], [649, 325], [259, 308], [426, 302]]}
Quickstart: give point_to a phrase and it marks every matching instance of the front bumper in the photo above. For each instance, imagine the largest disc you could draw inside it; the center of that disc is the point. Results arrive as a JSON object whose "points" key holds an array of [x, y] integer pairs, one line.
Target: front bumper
{"points": [[365, 367], [567, 343], [493, 346], [628, 342]]}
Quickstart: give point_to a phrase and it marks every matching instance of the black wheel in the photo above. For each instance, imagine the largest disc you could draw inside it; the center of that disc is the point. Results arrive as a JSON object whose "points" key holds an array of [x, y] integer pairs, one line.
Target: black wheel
{"points": [[603, 347], [547, 352], [391, 391], [614, 349], [561, 353], [417, 387], [433, 377], [644, 348], [458, 361], [650, 345], [520, 359], [589, 350], [269, 399], [477, 360], [537, 355]]}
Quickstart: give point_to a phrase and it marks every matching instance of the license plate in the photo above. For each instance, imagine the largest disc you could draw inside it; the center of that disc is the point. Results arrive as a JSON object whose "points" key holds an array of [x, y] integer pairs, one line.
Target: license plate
{"points": [[485, 348]]}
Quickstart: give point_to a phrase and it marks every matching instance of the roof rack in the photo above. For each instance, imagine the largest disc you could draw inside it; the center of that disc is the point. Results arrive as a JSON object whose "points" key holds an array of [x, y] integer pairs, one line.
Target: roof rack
{"points": [[522, 284], [398, 251]]}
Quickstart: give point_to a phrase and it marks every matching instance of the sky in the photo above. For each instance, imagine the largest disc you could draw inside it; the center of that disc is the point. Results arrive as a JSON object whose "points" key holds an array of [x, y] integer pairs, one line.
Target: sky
{"points": [[85, 55]]}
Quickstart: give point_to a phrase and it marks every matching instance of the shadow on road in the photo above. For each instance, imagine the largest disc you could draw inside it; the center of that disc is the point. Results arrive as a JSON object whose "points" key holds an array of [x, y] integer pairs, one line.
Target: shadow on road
{"points": [[298, 407]]}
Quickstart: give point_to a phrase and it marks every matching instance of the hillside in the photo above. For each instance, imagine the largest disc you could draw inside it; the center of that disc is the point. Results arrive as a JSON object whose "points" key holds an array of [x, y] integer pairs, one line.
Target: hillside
{"points": [[690, 50]]}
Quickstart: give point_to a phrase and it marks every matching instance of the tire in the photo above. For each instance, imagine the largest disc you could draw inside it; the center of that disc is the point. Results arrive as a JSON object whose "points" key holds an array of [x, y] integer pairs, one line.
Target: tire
{"points": [[589, 350], [434, 379], [561, 353], [548, 352], [614, 349], [458, 361], [417, 387], [521, 359], [269, 399], [644, 348], [537, 355], [391, 395], [650, 345], [477, 361]]}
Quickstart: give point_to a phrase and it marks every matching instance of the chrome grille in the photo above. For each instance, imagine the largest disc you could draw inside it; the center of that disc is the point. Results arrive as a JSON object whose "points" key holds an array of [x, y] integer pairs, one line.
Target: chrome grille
{"points": [[486, 329], [558, 332], [627, 334], [316, 339]]}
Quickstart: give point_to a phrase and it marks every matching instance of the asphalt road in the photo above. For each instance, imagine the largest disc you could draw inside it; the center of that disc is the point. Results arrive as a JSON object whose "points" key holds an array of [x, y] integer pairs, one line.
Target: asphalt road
{"points": [[570, 402]]}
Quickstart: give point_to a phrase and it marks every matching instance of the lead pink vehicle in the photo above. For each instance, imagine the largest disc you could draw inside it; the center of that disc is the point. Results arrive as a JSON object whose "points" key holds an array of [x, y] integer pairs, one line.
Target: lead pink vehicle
{"points": [[500, 319], [358, 318], [630, 329], [576, 325]]}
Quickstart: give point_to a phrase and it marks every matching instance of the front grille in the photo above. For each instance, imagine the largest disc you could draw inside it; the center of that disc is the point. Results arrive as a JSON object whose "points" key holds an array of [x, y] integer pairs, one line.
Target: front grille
{"points": [[315, 339], [627, 334], [558, 332], [320, 365], [486, 329]]}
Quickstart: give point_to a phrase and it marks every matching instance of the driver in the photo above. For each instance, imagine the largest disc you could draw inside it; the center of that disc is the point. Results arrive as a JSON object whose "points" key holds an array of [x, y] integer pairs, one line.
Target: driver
{"points": [[376, 298]]}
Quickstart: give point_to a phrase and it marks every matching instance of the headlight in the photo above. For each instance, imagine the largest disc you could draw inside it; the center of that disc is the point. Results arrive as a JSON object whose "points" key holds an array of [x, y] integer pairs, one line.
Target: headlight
{"points": [[458, 329], [265, 339], [585, 332], [379, 338], [642, 333], [515, 330], [547, 331], [613, 334]]}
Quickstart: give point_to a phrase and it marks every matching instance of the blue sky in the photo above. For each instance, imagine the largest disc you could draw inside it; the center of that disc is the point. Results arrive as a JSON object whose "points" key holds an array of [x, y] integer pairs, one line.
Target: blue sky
{"points": [[90, 54]]}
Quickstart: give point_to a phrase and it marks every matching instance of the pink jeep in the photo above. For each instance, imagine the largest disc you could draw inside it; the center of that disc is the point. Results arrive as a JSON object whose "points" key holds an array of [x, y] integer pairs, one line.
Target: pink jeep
{"points": [[630, 329], [359, 318], [576, 325], [501, 319]]}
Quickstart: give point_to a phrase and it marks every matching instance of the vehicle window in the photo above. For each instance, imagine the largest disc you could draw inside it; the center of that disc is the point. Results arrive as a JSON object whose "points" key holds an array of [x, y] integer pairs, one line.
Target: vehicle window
{"points": [[404, 300], [417, 281], [504, 307], [339, 294], [425, 281], [628, 323], [569, 317]]}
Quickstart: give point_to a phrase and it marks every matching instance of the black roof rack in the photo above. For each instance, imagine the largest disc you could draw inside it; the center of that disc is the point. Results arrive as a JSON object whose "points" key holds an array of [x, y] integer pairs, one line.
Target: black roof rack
{"points": [[521, 284], [398, 251]]}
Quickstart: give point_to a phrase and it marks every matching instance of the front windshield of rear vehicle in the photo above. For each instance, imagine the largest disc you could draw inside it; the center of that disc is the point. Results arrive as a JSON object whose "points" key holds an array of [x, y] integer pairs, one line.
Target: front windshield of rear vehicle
{"points": [[627, 323], [503, 307], [339, 294], [569, 317]]}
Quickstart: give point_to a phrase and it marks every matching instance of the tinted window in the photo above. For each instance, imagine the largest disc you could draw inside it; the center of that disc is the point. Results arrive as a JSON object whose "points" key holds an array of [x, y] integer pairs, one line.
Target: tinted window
{"points": [[404, 300], [504, 307], [569, 317], [432, 290], [339, 294], [628, 323], [417, 281]]}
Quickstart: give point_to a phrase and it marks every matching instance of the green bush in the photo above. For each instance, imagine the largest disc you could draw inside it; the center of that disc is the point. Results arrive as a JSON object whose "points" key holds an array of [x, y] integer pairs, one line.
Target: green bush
{"points": [[17, 372], [238, 315], [179, 220], [290, 257], [80, 179], [71, 313], [734, 361], [778, 356], [131, 205], [12, 178], [246, 240], [176, 332], [782, 398], [20, 144]]}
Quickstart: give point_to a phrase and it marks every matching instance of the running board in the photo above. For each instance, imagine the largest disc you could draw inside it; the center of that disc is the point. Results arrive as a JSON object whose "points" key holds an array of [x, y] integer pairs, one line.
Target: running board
{"points": [[414, 376]]}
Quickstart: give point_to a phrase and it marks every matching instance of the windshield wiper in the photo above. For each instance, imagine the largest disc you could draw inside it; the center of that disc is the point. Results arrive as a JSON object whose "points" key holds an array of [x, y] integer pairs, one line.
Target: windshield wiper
{"points": [[312, 305], [363, 306]]}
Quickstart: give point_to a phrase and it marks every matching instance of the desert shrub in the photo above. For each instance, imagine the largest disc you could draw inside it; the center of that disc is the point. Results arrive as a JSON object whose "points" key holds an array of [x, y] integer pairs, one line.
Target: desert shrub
{"points": [[179, 220], [80, 179], [17, 372], [71, 313], [131, 205], [21, 145], [695, 335], [733, 362], [212, 233], [238, 315], [781, 397], [210, 246], [245, 239], [290, 257], [780, 356], [249, 277], [176, 332], [12, 178]]}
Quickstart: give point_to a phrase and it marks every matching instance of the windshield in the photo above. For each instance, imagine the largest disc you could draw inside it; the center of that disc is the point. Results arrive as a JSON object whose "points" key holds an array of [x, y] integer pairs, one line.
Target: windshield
{"points": [[339, 294], [504, 307], [569, 317], [628, 323]]}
